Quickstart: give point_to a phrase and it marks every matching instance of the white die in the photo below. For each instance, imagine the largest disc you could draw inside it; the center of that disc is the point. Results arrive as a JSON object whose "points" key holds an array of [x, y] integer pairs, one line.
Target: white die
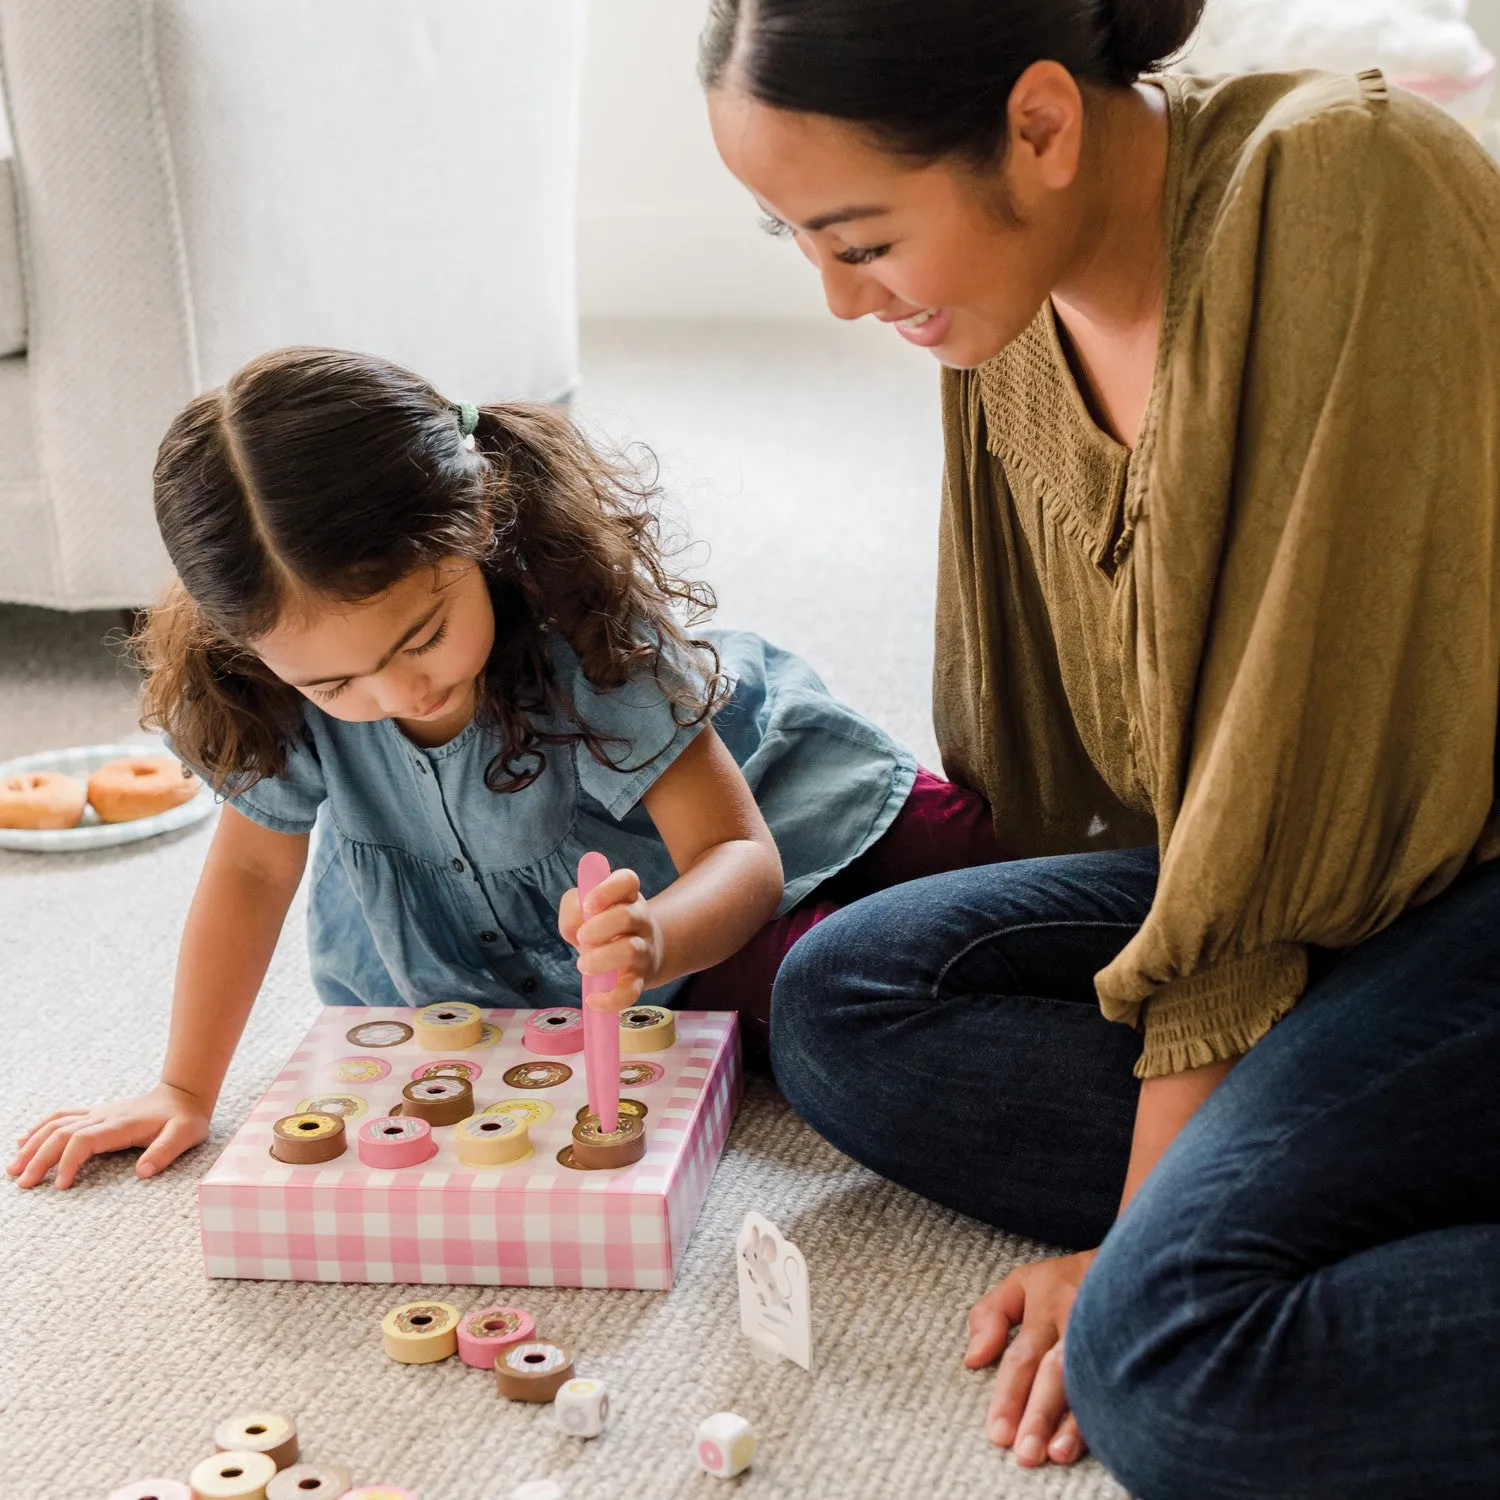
{"points": [[725, 1444], [582, 1407]]}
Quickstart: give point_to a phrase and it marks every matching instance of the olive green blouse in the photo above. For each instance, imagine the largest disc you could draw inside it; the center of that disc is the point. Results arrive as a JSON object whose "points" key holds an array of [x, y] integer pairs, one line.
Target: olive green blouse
{"points": [[1267, 639]]}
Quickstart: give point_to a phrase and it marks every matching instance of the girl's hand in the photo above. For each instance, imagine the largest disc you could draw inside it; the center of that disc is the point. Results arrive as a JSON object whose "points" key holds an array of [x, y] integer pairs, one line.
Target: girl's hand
{"points": [[166, 1122], [616, 930], [1029, 1409]]}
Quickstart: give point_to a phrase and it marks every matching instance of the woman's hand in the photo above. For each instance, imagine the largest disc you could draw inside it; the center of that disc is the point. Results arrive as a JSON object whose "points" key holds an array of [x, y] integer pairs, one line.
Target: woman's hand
{"points": [[167, 1121], [616, 930], [1029, 1410]]}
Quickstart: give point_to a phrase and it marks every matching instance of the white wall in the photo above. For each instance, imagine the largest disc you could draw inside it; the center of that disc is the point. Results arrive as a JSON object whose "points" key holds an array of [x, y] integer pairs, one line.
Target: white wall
{"points": [[664, 230]]}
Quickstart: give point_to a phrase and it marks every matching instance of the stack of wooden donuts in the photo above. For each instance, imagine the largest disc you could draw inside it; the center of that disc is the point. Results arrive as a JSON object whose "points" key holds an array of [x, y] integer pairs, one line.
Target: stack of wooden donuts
{"points": [[257, 1457], [120, 792]]}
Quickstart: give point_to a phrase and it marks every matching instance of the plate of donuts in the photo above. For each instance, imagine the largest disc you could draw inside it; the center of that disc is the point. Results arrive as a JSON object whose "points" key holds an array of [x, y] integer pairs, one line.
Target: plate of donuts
{"points": [[93, 796]]}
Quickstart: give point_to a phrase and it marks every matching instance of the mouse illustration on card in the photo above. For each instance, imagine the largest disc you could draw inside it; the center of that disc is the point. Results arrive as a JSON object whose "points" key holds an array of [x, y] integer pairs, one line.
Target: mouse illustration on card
{"points": [[775, 1308]]}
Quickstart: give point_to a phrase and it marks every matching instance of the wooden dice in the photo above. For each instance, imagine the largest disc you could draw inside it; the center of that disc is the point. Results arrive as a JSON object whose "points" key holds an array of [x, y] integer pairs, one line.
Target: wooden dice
{"points": [[581, 1407], [724, 1445]]}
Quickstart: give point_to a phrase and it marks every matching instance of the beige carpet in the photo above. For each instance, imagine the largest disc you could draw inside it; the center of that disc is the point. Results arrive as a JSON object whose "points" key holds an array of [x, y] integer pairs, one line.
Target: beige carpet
{"points": [[808, 457]]}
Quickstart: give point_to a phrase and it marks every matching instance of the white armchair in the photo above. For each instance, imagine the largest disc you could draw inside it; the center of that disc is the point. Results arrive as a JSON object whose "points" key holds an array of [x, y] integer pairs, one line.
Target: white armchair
{"points": [[195, 181]]}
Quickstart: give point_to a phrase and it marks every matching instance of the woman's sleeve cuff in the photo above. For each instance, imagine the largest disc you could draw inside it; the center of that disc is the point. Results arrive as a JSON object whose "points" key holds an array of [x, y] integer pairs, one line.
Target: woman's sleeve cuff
{"points": [[1219, 1014]]}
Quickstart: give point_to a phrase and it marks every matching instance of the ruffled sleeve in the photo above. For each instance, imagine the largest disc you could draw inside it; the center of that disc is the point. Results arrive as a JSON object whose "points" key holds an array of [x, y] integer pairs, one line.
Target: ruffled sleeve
{"points": [[1316, 565]]}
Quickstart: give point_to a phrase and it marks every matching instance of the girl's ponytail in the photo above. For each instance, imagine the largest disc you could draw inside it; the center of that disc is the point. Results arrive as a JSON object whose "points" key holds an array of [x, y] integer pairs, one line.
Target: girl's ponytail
{"points": [[580, 553]]}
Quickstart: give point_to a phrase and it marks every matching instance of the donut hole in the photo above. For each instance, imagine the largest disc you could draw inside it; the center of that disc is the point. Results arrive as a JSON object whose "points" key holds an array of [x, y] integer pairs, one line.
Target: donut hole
{"points": [[555, 1021], [490, 1125], [419, 1320], [494, 1325], [391, 1130], [256, 1430], [435, 1089], [305, 1125], [446, 1015], [535, 1359], [143, 770], [230, 1473], [309, 1484]]}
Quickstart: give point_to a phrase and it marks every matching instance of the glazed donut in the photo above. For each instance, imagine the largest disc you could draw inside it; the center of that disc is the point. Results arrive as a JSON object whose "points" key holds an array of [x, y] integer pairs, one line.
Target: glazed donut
{"points": [[140, 787], [40, 799]]}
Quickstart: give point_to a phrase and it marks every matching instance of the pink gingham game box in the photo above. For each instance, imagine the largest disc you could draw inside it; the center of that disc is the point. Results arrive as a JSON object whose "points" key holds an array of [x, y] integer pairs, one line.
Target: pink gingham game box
{"points": [[532, 1223]]}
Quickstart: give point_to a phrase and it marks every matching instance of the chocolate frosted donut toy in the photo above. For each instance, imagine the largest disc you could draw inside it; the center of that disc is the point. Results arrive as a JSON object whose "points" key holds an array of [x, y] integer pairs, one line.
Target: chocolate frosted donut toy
{"points": [[483, 1334], [647, 1028], [303, 1139], [420, 1333], [595, 1151], [439, 1101], [265, 1432], [533, 1372], [140, 787], [41, 799]]}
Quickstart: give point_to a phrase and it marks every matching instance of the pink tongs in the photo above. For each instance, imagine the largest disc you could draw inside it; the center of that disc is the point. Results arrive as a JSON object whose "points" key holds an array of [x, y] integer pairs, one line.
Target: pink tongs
{"points": [[601, 1028]]}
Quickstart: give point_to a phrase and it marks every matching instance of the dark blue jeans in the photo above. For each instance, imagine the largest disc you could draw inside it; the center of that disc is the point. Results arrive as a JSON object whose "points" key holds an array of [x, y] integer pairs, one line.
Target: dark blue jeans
{"points": [[1303, 1301]]}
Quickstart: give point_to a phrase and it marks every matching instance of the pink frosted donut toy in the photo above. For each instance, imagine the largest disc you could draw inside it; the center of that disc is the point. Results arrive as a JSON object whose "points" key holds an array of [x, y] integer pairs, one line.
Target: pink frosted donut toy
{"points": [[554, 1033], [391, 1142], [483, 1334]]}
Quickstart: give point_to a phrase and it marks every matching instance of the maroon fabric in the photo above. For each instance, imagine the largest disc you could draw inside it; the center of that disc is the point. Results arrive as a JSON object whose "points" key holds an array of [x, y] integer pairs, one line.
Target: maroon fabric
{"points": [[940, 827]]}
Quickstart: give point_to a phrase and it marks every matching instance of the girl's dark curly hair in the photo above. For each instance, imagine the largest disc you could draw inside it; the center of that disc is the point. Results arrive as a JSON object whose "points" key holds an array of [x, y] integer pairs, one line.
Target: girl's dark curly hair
{"points": [[339, 473]]}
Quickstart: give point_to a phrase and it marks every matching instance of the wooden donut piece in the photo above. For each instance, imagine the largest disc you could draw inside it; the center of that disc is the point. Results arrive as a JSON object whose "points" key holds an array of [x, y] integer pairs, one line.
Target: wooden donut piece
{"points": [[140, 787], [594, 1151], [532, 1372], [647, 1028], [492, 1140], [556, 1032], [310, 1482], [232, 1476], [389, 1143], [420, 1333], [265, 1432], [302, 1139], [452, 1023], [152, 1489], [439, 1101], [483, 1334], [41, 799], [632, 1107]]}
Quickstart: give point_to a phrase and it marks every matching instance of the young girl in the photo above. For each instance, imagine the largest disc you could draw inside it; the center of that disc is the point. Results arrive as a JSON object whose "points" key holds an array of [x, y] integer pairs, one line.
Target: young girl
{"points": [[444, 638]]}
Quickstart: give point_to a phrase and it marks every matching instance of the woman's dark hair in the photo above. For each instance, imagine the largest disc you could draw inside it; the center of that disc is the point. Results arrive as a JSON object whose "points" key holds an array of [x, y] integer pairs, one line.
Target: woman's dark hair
{"points": [[930, 78], [315, 471]]}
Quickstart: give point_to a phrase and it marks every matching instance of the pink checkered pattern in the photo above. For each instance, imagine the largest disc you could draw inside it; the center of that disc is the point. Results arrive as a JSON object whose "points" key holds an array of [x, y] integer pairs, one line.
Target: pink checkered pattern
{"points": [[536, 1223]]}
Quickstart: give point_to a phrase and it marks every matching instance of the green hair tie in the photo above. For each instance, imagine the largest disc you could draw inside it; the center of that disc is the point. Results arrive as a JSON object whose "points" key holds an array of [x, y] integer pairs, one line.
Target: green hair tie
{"points": [[468, 420]]}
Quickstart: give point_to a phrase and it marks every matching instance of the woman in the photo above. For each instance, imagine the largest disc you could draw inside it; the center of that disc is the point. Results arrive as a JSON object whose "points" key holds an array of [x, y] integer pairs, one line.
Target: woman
{"points": [[1219, 639]]}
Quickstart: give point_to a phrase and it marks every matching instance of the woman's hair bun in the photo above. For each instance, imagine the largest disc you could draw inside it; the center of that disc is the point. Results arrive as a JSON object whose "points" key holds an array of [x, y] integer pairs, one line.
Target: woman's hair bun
{"points": [[1143, 34]]}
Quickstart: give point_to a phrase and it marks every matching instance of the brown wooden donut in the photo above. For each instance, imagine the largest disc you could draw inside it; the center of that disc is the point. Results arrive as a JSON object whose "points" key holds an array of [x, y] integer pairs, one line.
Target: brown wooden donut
{"points": [[140, 787], [41, 799], [532, 1371], [303, 1139], [439, 1101], [594, 1151]]}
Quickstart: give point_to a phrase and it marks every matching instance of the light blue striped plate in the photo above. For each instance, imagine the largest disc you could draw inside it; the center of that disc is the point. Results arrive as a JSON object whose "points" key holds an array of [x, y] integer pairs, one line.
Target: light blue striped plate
{"points": [[91, 833]]}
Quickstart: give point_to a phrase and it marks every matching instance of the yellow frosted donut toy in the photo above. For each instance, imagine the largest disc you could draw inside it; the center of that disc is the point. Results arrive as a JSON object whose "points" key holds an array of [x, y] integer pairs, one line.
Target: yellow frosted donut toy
{"points": [[41, 799], [140, 787]]}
